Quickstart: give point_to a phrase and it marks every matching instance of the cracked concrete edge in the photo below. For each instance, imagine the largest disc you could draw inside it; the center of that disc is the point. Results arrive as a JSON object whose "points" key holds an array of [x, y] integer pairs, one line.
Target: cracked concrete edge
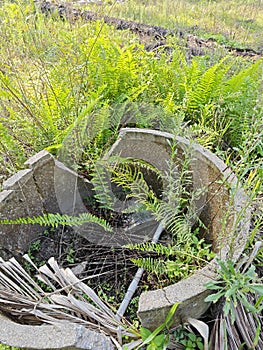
{"points": [[137, 133], [43, 157], [18, 180], [70, 189], [42, 164], [48, 186], [59, 336], [190, 293], [38, 159], [61, 188]]}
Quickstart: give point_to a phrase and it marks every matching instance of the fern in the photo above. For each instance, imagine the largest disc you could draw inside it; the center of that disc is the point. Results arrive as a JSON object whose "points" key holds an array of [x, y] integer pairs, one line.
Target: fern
{"points": [[54, 220], [158, 248], [176, 261], [133, 180], [101, 186], [152, 265], [168, 208], [205, 85], [233, 84]]}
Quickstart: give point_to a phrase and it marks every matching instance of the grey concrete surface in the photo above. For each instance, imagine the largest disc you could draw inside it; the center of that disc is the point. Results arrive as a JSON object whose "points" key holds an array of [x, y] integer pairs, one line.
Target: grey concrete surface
{"points": [[52, 337], [47, 186]]}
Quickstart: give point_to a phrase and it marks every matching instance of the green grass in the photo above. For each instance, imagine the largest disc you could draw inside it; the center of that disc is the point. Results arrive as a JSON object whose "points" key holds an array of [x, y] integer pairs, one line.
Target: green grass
{"points": [[234, 22], [55, 73]]}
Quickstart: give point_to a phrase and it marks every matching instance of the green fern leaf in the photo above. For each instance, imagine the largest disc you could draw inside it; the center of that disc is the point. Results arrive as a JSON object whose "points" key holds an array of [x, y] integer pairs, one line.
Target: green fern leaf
{"points": [[54, 220], [156, 266]]}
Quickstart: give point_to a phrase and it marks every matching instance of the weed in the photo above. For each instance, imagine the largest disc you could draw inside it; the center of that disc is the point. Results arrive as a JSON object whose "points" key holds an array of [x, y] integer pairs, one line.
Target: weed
{"points": [[188, 339], [233, 286], [159, 338], [70, 256]]}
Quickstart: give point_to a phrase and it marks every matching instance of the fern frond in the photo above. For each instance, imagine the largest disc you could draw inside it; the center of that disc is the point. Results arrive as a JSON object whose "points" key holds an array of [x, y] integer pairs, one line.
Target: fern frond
{"points": [[125, 173], [232, 85], [157, 248], [131, 179], [54, 220], [206, 85], [101, 186], [171, 218], [128, 173], [114, 161], [176, 261], [156, 266]]}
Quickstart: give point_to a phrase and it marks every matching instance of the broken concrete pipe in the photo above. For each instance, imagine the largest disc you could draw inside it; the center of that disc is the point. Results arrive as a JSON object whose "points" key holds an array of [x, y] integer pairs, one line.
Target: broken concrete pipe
{"points": [[47, 185], [223, 208]]}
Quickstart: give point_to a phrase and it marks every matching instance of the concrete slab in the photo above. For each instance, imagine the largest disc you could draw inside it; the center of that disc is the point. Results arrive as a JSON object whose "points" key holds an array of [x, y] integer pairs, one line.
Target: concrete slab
{"points": [[65, 336]]}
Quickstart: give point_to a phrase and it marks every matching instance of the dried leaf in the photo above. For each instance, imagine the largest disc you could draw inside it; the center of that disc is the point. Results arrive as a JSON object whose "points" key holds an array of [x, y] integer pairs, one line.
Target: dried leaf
{"points": [[202, 328]]}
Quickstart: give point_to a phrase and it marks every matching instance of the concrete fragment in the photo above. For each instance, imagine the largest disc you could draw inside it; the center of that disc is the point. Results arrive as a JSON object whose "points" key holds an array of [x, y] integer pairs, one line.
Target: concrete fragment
{"points": [[50, 186], [70, 190], [61, 189], [20, 198], [52, 337], [42, 165]]}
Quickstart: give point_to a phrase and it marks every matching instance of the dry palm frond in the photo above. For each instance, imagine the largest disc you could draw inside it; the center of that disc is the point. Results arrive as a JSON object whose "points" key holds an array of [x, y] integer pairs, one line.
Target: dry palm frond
{"points": [[247, 330], [69, 299]]}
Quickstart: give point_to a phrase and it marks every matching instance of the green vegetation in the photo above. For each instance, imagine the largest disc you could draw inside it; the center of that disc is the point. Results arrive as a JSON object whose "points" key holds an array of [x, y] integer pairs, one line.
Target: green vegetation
{"points": [[233, 285], [173, 206], [54, 220], [188, 339], [62, 78], [55, 76], [154, 340], [236, 23]]}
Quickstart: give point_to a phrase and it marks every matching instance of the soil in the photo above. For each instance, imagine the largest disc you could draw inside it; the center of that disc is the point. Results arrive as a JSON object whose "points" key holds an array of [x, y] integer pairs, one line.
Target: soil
{"points": [[111, 268]]}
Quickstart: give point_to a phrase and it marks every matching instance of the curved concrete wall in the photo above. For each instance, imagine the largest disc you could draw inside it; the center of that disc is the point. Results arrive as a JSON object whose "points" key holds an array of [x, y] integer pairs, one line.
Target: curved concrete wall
{"points": [[223, 208]]}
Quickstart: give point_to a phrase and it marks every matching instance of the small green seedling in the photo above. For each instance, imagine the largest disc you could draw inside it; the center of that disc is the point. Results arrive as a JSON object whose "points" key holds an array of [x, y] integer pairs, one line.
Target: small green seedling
{"points": [[189, 340]]}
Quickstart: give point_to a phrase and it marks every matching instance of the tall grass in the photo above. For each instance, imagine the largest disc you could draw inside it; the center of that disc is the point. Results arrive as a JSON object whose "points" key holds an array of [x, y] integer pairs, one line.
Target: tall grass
{"points": [[234, 22], [55, 73]]}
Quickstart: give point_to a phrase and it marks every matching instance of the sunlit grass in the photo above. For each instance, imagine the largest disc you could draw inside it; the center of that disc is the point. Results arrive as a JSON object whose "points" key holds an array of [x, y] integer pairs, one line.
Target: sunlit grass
{"points": [[54, 70], [5, 347], [236, 22]]}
